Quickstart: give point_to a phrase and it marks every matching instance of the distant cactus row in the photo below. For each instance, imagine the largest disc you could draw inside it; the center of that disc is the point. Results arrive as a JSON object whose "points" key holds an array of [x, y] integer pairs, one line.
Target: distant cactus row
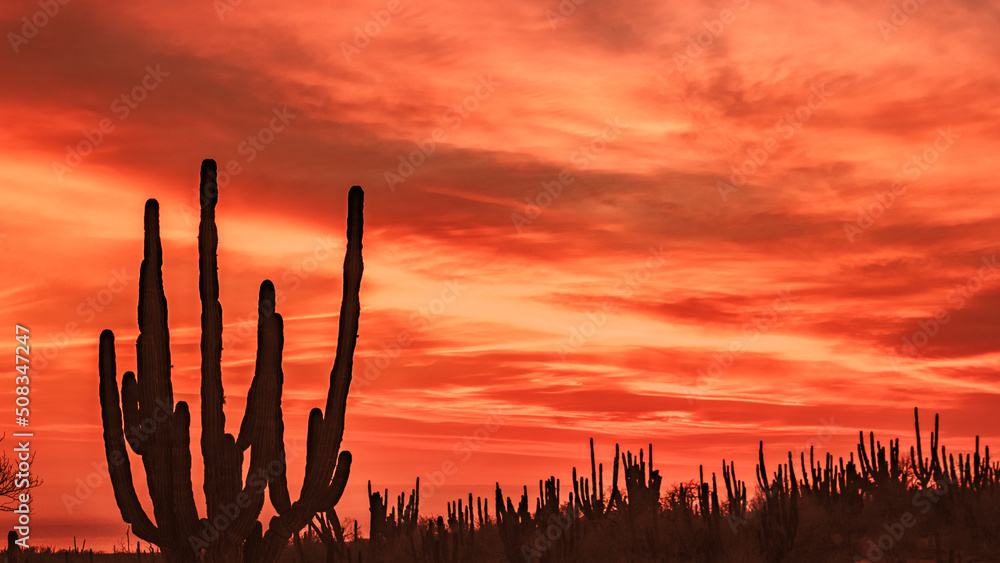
{"points": [[700, 522]]}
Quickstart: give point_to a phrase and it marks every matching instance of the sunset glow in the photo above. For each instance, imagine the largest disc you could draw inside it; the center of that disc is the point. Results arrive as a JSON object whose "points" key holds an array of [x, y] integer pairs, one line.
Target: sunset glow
{"points": [[695, 225]]}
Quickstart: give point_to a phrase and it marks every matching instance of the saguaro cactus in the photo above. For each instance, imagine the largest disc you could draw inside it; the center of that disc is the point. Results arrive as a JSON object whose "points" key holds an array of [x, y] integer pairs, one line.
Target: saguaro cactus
{"points": [[158, 430]]}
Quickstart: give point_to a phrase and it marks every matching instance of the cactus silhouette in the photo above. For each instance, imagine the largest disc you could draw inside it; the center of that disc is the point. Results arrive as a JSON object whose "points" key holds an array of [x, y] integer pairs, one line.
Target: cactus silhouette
{"points": [[157, 429], [12, 547]]}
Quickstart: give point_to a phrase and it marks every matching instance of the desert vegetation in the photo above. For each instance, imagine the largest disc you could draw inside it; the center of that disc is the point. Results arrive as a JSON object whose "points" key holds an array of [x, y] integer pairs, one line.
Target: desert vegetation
{"points": [[880, 505]]}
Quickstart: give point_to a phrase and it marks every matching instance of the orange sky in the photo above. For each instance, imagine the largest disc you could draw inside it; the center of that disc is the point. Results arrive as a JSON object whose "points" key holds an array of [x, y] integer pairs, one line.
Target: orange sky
{"points": [[612, 198]]}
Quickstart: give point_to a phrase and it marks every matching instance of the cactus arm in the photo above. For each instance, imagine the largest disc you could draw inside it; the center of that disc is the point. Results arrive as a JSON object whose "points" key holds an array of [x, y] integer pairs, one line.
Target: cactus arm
{"points": [[350, 312], [762, 478], [339, 482], [153, 375], [792, 480], [130, 412], [278, 481], [935, 466], [593, 475], [187, 512], [218, 477], [326, 472], [866, 468], [313, 434], [332, 429], [262, 423], [576, 491], [919, 457], [119, 466]]}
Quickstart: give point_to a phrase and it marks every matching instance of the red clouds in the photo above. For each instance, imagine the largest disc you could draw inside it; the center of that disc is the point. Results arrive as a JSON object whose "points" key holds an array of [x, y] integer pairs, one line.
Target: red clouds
{"points": [[495, 267]]}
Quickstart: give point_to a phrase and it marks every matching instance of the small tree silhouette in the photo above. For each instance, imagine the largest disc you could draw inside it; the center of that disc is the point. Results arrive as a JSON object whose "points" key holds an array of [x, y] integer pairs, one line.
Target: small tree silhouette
{"points": [[11, 485]]}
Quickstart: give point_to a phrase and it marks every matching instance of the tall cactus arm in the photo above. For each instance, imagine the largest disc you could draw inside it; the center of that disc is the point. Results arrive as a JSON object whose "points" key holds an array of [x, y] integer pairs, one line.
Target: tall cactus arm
{"points": [[919, 457], [593, 473], [119, 466], [262, 423], [260, 429], [156, 400], [350, 308], [153, 344], [350, 312], [223, 459], [318, 476], [220, 480], [326, 430]]}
